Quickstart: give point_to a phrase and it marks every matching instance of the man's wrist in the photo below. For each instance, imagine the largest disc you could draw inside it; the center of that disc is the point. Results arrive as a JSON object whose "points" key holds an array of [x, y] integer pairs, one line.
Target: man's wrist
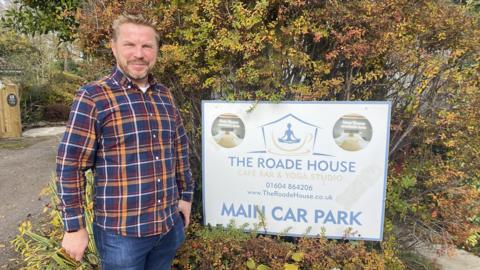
{"points": [[187, 196], [73, 223]]}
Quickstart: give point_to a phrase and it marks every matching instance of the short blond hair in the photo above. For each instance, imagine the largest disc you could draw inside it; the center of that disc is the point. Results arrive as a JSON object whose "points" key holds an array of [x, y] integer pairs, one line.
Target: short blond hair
{"points": [[135, 19]]}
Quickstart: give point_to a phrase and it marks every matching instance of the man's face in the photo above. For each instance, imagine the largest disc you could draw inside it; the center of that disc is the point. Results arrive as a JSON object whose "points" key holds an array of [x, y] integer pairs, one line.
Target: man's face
{"points": [[135, 50]]}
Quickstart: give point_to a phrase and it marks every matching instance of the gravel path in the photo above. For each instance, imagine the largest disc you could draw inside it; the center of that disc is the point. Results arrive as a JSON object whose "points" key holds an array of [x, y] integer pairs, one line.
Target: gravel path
{"points": [[23, 174]]}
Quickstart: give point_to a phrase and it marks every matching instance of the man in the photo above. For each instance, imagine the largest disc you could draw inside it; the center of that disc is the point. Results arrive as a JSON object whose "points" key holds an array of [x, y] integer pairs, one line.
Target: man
{"points": [[127, 129]]}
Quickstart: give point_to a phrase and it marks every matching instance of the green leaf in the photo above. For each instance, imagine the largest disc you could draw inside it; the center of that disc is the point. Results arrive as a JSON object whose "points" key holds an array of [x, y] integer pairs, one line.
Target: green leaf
{"points": [[289, 266], [251, 263], [92, 258], [263, 267], [298, 256]]}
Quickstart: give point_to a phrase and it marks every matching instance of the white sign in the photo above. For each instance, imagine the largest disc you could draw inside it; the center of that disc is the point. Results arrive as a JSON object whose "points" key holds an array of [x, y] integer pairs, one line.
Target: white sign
{"points": [[296, 168]]}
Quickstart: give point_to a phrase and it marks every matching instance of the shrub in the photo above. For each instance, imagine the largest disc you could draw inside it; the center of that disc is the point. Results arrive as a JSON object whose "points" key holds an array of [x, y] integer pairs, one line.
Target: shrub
{"points": [[420, 55], [40, 246], [56, 112], [50, 100], [231, 248]]}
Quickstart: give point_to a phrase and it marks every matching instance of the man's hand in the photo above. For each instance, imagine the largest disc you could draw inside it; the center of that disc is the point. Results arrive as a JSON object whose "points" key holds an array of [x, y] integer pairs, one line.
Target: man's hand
{"points": [[75, 243], [185, 207]]}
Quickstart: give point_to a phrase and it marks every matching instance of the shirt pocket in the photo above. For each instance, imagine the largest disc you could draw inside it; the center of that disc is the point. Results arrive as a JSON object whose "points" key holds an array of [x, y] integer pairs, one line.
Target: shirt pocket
{"points": [[119, 128], [165, 120]]}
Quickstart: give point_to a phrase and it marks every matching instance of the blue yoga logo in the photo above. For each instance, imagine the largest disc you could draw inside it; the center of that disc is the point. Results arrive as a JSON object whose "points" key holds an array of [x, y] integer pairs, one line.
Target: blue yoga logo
{"points": [[289, 135]]}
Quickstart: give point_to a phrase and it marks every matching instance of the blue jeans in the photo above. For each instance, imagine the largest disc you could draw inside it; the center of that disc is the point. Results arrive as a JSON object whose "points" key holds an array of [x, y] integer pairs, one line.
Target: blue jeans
{"points": [[138, 253]]}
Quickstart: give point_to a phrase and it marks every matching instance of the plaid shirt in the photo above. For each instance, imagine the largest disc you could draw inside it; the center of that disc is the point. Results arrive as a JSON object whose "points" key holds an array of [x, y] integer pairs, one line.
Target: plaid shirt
{"points": [[136, 145]]}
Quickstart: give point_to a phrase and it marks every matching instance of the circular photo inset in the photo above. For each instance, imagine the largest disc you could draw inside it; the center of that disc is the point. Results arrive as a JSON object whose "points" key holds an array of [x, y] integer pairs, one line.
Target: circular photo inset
{"points": [[228, 130], [12, 100], [352, 132]]}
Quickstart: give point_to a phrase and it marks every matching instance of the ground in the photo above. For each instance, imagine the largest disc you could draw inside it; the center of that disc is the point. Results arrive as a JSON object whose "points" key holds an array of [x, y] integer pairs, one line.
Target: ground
{"points": [[26, 167]]}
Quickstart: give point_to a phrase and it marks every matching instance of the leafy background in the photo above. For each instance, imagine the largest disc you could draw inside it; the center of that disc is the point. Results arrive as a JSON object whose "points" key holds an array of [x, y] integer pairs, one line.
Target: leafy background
{"points": [[423, 56]]}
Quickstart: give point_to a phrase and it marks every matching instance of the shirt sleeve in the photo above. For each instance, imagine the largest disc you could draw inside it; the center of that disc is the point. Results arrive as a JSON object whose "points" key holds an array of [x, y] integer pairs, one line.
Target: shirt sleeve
{"points": [[76, 154], [182, 170]]}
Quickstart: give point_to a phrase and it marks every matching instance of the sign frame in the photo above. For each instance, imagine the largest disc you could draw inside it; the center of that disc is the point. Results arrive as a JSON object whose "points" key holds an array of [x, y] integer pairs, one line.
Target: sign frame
{"points": [[253, 104]]}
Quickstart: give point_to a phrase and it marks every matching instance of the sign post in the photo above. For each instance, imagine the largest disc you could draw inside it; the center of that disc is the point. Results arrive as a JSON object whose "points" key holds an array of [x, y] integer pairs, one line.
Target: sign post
{"points": [[10, 119], [296, 168]]}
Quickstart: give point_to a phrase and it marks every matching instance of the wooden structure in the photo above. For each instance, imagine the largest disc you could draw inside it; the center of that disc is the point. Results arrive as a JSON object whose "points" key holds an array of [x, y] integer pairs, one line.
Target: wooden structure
{"points": [[10, 117]]}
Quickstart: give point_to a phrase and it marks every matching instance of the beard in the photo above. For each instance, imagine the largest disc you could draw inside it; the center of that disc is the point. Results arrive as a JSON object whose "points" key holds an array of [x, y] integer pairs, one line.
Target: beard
{"points": [[131, 73]]}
